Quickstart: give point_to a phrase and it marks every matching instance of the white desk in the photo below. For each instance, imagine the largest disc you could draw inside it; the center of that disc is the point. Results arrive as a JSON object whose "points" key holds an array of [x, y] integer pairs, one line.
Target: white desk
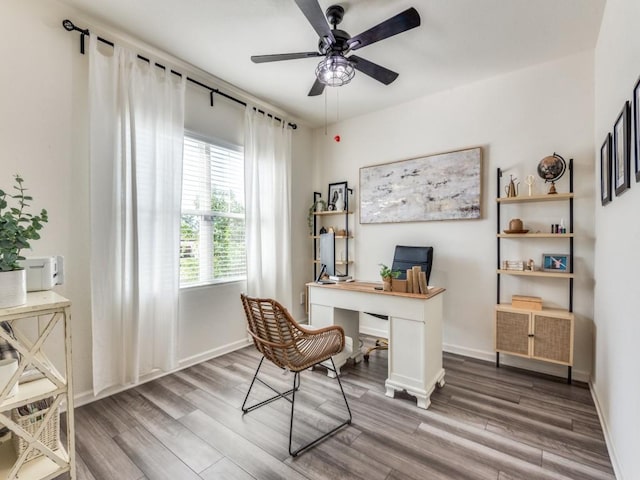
{"points": [[415, 331]]}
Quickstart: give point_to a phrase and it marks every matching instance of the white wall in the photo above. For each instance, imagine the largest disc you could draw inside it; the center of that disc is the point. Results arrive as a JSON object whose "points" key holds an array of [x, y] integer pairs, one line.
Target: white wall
{"points": [[517, 119], [617, 330], [44, 135]]}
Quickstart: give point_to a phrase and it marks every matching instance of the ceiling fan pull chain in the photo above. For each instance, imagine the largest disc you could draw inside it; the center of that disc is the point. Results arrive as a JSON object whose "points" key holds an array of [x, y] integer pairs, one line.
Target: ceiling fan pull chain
{"points": [[325, 112]]}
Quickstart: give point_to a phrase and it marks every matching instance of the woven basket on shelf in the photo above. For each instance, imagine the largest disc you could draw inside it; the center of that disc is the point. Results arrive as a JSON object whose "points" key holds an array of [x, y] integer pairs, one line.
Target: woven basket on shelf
{"points": [[50, 436]]}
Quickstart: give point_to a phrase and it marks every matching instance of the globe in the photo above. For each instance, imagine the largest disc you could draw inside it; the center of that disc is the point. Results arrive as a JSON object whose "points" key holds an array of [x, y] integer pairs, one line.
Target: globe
{"points": [[551, 168]]}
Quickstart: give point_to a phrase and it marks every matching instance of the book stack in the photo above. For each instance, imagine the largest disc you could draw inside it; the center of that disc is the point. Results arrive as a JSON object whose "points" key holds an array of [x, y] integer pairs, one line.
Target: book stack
{"points": [[513, 265], [417, 280]]}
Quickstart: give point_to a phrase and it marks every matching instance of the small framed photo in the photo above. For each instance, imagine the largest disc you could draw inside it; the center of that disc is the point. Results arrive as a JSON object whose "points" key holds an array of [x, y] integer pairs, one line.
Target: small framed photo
{"points": [[337, 199], [621, 156], [636, 127], [605, 170], [556, 262]]}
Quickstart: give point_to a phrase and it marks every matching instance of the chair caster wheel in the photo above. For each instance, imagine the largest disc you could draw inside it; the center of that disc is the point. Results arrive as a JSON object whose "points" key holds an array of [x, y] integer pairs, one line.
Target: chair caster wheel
{"points": [[366, 358]]}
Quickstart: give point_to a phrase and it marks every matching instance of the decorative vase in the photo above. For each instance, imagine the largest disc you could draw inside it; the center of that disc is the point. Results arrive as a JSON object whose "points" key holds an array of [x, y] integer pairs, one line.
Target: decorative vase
{"points": [[320, 207], [386, 284], [13, 288], [339, 205]]}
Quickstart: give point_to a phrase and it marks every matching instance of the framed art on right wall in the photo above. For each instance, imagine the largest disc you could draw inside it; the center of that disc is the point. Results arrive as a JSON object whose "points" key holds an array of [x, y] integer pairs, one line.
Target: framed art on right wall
{"points": [[636, 128], [605, 170], [621, 148]]}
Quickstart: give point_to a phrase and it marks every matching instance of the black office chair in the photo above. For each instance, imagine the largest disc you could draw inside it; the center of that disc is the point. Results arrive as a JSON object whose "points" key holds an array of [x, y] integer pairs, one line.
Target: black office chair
{"points": [[404, 258]]}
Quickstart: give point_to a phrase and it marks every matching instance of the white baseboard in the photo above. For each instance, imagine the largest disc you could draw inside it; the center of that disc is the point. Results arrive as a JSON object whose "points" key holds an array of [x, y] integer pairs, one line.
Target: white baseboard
{"points": [[375, 332], [213, 353], [88, 396], [607, 435], [513, 361], [469, 352]]}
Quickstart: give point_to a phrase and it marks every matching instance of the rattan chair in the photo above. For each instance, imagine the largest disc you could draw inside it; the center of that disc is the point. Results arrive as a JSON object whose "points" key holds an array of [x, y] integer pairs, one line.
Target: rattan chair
{"points": [[281, 340]]}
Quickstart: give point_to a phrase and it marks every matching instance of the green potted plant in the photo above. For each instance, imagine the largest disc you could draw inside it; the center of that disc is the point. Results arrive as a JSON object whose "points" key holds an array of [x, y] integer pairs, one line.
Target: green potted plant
{"points": [[17, 228], [387, 275]]}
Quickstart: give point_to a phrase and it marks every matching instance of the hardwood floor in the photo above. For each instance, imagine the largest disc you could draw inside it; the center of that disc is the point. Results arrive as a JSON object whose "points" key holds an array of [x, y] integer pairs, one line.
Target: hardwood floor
{"points": [[486, 423]]}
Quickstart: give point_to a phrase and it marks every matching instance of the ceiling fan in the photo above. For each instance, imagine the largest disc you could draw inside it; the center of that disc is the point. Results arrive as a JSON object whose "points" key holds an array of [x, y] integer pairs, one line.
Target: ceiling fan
{"points": [[336, 69]]}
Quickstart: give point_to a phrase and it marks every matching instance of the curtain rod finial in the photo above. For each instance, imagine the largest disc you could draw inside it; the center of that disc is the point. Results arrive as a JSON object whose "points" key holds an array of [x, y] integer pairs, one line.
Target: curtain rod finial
{"points": [[69, 26]]}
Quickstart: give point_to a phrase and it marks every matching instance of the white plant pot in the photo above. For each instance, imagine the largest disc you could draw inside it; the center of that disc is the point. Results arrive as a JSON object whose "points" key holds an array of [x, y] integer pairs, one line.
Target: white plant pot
{"points": [[13, 288]]}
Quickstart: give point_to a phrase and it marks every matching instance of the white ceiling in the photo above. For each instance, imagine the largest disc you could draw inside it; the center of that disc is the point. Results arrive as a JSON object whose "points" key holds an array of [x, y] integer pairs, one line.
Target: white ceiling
{"points": [[458, 42]]}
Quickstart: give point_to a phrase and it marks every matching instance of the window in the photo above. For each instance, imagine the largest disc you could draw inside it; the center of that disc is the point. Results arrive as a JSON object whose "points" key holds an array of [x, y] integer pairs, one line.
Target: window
{"points": [[212, 233]]}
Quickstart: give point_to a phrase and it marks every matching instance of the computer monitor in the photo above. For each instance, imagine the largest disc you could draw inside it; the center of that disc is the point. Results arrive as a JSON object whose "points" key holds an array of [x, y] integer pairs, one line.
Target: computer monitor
{"points": [[328, 253]]}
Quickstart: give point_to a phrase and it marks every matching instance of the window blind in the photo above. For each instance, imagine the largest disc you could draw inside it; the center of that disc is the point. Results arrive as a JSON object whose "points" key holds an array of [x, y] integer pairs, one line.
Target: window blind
{"points": [[212, 243]]}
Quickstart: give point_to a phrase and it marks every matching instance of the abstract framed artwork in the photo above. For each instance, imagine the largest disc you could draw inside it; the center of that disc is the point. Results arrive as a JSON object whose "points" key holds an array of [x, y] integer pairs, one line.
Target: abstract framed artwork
{"points": [[444, 186], [621, 148], [605, 170], [636, 128]]}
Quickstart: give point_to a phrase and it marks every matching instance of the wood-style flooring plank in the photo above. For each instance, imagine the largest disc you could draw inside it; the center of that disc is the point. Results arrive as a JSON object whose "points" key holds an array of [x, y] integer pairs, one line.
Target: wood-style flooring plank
{"points": [[100, 453], [246, 426], [225, 469], [332, 459], [572, 468], [420, 457], [550, 443], [467, 449], [241, 451], [481, 436], [486, 423], [174, 436], [472, 400], [153, 458], [171, 403], [484, 386]]}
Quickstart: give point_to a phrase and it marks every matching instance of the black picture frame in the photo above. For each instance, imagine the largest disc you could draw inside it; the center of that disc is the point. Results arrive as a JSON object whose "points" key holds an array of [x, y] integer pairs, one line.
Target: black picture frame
{"points": [[605, 170], [621, 147], [636, 128], [334, 188]]}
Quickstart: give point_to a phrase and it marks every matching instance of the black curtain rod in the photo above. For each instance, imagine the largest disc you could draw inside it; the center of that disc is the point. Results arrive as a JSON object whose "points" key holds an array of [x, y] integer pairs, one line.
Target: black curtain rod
{"points": [[71, 27]]}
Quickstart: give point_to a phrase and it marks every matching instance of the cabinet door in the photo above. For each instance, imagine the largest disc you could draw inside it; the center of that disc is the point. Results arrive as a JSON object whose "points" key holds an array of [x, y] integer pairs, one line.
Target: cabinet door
{"points": [[553, 338], [512, 332]]}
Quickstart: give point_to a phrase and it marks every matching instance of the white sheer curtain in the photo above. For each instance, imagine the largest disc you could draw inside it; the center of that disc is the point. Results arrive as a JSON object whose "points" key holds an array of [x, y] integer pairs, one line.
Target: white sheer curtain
{"points": [[267, 151], [136, 141]]}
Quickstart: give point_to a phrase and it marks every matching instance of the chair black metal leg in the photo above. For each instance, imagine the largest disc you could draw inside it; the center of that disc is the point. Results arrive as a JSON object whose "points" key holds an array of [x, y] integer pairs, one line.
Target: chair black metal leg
{"points": [[268, 400], [294, 453], [255, 375], [292, 391]]}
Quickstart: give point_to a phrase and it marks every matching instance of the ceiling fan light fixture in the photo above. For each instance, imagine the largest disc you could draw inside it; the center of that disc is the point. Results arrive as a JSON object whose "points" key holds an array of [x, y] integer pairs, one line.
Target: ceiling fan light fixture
{"points": [[335, 70]]}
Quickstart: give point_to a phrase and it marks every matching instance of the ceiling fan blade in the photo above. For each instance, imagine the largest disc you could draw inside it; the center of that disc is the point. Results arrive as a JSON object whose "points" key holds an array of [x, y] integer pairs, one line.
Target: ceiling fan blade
{"points": [[316, 89], [374, 70], [283, 56], [400, 23], [315, 16]]}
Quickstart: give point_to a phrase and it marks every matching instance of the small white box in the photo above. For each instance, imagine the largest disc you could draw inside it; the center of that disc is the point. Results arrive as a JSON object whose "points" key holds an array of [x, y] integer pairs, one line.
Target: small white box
{"points": [[43, 273]]}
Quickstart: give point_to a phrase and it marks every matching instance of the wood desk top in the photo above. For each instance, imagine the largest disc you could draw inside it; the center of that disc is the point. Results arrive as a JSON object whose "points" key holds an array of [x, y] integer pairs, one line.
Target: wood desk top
{"points": [[369, 287]]}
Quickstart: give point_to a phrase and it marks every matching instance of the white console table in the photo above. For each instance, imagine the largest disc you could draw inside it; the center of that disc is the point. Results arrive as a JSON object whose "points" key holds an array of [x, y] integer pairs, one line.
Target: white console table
{"points": [[415, 331], [50, 312]]}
